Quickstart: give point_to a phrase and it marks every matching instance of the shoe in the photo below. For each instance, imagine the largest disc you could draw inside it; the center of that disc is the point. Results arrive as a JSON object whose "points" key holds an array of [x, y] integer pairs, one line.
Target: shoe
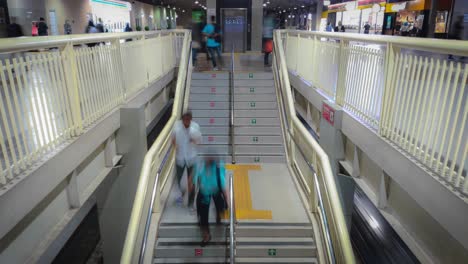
{"points": [[192, 210], [180, 201], [215, 69], [205, 242]]}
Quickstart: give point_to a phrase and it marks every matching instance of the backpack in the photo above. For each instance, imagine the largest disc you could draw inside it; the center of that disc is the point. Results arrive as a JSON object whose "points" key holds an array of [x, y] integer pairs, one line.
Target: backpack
{"points": [[217, 31]]}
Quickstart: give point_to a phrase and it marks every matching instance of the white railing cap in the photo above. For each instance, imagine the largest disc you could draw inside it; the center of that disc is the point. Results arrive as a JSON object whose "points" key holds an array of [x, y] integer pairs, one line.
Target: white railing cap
{"points": [[28, 43], [445, 45]]}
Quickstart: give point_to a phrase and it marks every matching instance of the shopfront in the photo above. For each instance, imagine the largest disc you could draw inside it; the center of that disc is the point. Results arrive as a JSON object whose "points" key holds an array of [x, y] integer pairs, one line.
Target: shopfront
{"points": [[407, 18], [356, 16], [113, 14]]}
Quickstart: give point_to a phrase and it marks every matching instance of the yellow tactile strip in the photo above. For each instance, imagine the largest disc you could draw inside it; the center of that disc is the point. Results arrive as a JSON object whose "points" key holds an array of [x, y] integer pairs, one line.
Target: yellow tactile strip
{"points": [[243, 195]]}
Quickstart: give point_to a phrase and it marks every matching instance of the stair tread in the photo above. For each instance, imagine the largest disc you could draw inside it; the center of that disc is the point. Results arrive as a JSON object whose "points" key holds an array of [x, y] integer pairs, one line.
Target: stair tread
{"points": [[192, 260], [274, 239], [277, 260]]}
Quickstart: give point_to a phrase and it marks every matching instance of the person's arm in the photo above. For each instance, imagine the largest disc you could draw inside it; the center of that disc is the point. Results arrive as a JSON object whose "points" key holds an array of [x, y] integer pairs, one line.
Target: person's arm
{"points": [[222, 174]]}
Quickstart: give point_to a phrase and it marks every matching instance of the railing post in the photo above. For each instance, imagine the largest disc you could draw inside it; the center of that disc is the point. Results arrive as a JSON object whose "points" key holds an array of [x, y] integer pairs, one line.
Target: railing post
{"points": [[118, 55], [342, 71], [388, 95], [71, 74]]}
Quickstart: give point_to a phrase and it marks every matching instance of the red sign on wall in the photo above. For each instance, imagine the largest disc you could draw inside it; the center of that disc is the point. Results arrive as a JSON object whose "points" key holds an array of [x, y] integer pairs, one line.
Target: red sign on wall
{"points": [[198, 252], [328, 113]]}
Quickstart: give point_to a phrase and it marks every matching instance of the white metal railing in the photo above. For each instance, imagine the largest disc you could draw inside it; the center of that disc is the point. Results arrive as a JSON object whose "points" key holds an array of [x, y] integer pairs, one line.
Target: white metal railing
{"points": [[405, 89], [53, 88], [156, 170], [312, 166]]}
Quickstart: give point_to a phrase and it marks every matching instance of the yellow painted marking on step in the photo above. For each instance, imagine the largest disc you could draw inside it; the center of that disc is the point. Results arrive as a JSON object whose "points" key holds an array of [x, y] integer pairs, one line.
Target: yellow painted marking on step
{"points": [[243, 194]]}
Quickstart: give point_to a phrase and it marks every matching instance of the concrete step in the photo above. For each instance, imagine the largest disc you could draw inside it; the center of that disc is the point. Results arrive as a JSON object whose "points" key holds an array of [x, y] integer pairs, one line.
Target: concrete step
{"points": [[276, 260], [255, 122], [191, 251], [250, 159], [209, 90], [253, 105], [212, 121], [210, 76], [209, 83], [254, 150], [258, 140], [255, 114], [255, 241], [254, 90], [253, 76], [192, 260], [214, 130], [191, 230], [253, 83], [242, 140], [253, 230], [265, 251], [207, 97], [209, 105], [215, 140], [210, 113], [261, 130], [270, 97], [189, 241]]}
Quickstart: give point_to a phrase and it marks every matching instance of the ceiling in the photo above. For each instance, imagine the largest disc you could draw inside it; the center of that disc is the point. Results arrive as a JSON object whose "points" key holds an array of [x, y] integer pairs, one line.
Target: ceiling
{"points": [[190, 4]]}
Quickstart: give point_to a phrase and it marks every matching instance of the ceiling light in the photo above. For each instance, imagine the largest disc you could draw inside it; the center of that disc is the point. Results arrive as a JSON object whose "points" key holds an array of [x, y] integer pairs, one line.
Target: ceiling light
{"points": [[302, 6], [264, 4], [196, 2]]}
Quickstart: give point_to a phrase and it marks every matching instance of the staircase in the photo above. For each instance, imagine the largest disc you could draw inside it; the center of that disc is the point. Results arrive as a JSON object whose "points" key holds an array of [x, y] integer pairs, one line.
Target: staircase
{"points": [[275, 243], [257, 132], [180, 243]]}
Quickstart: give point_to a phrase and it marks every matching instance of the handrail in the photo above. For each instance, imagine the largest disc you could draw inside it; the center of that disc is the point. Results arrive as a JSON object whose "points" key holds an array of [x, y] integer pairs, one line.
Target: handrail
{"points": [[153, 198], [231, 93], [341, 250], [232, 218], [151, 161]]}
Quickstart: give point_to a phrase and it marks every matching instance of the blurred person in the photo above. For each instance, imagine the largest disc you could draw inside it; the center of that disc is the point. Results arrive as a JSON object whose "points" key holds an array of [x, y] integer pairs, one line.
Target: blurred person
{"points": [[268, 27], [100, 26], [329, 27], [128, 28], [209, 176], [213, 42], [13, 29], [90, 28], [186, 135], [42, 28], [67, 28], [340, 27], [197, 39], [367, 27], [457, 32]]}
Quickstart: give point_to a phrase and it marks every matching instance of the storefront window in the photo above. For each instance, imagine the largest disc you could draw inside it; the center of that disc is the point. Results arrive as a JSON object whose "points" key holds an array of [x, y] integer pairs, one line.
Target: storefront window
{"points": [[409, 23], [351, 20]]}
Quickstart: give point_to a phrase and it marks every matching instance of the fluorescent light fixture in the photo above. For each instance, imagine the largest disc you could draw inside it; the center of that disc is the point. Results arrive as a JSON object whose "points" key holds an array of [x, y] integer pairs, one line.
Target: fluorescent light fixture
{"points": [[196, 2]]}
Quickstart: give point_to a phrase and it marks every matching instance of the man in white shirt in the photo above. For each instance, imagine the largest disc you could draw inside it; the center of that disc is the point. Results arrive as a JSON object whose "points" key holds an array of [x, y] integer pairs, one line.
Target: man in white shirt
{"points": [[186, 136]]}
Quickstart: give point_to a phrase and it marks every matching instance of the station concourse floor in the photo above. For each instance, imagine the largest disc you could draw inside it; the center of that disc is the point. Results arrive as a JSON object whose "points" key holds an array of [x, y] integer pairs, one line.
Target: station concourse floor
{"points": [[263, 193]]}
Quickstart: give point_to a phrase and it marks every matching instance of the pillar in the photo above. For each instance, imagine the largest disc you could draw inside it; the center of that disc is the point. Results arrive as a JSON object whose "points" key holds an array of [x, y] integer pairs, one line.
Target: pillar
{"points": [[211, 10], [115, 201], [257, 25], [332, 142]]}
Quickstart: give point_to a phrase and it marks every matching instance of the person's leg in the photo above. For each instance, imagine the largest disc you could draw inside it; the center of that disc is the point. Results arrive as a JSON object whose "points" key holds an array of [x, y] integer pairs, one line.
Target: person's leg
{"points": [[265, 59], [220, 55], [179, 173], [203, 211], [190, 186], [212, 55]]}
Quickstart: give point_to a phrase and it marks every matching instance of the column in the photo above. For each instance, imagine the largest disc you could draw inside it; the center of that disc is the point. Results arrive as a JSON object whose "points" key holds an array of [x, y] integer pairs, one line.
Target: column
{"points": [[257, 25], [211, 10]]}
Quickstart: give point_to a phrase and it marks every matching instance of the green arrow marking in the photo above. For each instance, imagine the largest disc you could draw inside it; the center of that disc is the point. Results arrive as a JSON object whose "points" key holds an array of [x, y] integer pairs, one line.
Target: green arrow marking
{"points": [[252, 90], [252, 104], [257, 159], [271, 252], [250, 75], [253, 121], [255, 139]]}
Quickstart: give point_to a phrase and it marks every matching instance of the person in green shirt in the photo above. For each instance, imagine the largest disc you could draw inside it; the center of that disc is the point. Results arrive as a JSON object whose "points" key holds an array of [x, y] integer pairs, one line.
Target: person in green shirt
{"points": [[209, 176]]}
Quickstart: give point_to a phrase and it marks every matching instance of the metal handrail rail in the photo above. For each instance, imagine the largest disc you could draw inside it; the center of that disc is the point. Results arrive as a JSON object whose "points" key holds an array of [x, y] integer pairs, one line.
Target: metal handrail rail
{"points": [[152, 159], [232, 218], [231, 94], [341, 250], [34, 43], [153, 198]]}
